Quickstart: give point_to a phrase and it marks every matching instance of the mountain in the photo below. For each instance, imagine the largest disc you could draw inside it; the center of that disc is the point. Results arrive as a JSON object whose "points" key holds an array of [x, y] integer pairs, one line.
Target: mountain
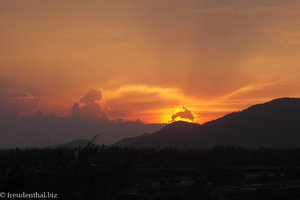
{"points": [[130, 140], [170, 130], [76, 144], [273, 124]]}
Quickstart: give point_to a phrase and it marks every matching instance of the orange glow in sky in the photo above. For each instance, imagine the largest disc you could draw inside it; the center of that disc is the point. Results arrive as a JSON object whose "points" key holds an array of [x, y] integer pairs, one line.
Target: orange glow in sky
{"points": [[147, 57]]}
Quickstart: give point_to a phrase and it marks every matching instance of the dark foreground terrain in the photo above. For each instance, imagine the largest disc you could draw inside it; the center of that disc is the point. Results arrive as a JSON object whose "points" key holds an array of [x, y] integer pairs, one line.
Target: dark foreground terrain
{"points": [[124, 173]]}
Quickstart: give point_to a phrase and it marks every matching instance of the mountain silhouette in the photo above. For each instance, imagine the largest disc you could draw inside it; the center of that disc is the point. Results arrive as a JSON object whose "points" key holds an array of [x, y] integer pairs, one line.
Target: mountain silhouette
{"points": [[274, 124], [80, 143], [168, 132]]}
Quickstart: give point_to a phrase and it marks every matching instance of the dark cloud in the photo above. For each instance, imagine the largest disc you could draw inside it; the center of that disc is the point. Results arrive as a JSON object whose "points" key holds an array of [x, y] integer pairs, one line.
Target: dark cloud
{"points": [[87, 120], [183, 114], [41, 130], [88, 107], [91, 97], [89, 111]]}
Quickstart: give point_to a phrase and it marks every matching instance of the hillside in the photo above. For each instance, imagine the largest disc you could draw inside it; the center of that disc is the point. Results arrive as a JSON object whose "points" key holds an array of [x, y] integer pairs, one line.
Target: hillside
{"points": [[271, 124]]}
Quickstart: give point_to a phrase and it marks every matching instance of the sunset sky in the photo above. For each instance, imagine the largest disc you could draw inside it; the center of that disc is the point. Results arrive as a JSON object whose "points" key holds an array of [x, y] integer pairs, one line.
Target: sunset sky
{"points": [[143, 59]]}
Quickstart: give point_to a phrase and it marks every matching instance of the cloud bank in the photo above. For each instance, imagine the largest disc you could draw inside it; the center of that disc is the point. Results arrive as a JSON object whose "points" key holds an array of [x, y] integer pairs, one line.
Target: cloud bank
{"points": [[88, 107]]}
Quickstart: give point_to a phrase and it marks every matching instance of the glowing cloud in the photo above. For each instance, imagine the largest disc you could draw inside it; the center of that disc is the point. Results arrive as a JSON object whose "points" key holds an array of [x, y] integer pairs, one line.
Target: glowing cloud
{"points": [[183, 115]]}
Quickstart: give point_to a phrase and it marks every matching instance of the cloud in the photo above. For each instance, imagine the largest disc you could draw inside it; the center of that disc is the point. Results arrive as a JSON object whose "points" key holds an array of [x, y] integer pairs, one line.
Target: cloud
{"points": [[14, 99], [88, 107], [145, 89], [90, 111], [88, 118], [91, 97], [23, 96], [42, 130], [286, 35], [250, 10], [183, 114], [141, 101], [266, 91]]}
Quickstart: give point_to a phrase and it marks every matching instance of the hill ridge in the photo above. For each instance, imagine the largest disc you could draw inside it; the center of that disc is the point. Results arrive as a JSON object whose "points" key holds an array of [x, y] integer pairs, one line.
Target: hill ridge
{"points": [[275, 123]]}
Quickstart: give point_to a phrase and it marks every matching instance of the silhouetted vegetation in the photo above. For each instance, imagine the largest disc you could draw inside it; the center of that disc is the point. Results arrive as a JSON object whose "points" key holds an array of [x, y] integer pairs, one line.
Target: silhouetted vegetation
{"points": [[126, 173]]}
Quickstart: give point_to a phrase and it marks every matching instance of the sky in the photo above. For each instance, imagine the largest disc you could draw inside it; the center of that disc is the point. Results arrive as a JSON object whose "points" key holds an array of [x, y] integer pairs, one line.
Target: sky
{"points": [[146, 59]]}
